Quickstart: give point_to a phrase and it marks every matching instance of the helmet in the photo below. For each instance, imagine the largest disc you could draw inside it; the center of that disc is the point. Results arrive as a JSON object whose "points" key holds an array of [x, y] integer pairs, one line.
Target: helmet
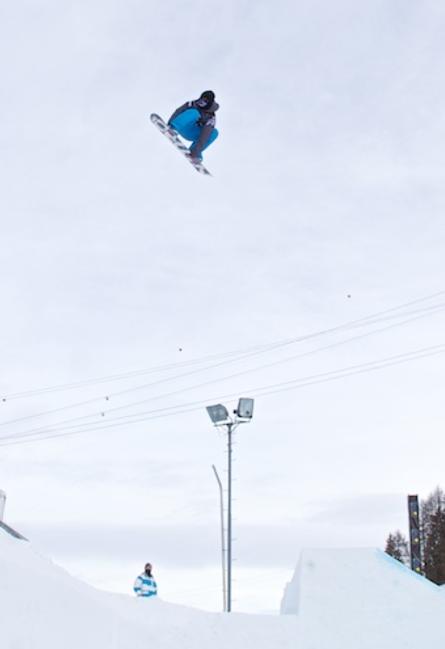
{"points": [[208, 96]]}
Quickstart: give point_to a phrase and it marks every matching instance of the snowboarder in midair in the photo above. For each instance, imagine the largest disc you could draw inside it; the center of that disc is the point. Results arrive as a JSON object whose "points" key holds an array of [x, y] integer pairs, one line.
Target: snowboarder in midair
{"points": [[195, 121], [145, 585]]}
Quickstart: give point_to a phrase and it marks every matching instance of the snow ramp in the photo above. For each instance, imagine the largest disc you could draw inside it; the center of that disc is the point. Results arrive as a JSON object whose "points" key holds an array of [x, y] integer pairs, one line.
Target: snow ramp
{"points": [[363, 599], [43, 607], [337, 599]]}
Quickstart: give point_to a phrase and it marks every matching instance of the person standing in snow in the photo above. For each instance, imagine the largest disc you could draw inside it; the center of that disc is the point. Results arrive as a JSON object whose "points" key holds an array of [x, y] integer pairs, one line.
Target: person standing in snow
{"points": [[145, 585], [195, 121]]}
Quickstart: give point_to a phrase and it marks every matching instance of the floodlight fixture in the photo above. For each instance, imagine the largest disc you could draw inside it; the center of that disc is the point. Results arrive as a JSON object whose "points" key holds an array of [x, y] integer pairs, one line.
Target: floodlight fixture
{"points": [[220, 417], [218, 413], [245, 409]]}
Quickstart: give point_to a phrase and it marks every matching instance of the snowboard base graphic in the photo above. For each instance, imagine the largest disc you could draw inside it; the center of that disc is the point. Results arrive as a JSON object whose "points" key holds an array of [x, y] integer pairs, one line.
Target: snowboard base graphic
{"points": [[174, 138]]}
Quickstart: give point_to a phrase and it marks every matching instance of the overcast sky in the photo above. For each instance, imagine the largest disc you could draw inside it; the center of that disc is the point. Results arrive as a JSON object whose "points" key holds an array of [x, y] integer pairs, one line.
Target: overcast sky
{"points": [[326, 207]]}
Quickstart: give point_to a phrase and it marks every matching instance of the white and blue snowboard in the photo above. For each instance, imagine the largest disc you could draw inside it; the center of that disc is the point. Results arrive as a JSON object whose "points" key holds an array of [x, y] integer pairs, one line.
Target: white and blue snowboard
{"points": [[174, 138]]}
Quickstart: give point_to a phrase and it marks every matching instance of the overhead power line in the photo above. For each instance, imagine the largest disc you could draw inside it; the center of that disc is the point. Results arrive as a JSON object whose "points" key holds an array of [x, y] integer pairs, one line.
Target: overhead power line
{"points": [[107, 411], [106, 399], [251, 350], [298, 383]]}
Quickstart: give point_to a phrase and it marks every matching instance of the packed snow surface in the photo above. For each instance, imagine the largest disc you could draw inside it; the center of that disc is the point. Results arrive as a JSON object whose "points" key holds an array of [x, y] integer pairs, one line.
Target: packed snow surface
{"points": [[363, 599], [337, 599], [43, 607]]}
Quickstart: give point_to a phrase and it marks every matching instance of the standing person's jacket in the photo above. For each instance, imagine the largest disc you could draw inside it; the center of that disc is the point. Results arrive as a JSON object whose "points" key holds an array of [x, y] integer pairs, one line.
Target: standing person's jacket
{"points": [[206, 121], [145, 586]]}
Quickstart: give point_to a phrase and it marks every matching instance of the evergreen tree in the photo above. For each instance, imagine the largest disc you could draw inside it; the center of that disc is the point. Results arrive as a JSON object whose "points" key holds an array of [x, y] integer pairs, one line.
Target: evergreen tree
{"points": [[397, 547], [433, 536]]}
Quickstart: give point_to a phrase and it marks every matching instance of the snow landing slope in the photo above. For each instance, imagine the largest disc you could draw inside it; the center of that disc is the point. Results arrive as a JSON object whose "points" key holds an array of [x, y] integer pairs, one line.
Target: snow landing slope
{"points": [[43, 607], [338, 599], [363, 599]]}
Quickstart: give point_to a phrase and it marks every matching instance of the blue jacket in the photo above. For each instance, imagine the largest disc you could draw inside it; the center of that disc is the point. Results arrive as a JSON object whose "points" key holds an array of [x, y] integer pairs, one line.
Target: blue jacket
{"points": [[207, 113], [145, 586]]}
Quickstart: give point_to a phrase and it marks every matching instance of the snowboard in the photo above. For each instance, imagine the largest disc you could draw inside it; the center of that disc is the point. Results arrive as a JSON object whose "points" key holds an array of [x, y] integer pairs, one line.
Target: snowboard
{"points": [[174, 138]]}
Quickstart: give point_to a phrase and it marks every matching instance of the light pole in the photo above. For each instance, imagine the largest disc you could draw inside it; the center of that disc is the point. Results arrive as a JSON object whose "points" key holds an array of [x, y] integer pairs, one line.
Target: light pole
{"points": [[223, 549], [220, 417]]}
